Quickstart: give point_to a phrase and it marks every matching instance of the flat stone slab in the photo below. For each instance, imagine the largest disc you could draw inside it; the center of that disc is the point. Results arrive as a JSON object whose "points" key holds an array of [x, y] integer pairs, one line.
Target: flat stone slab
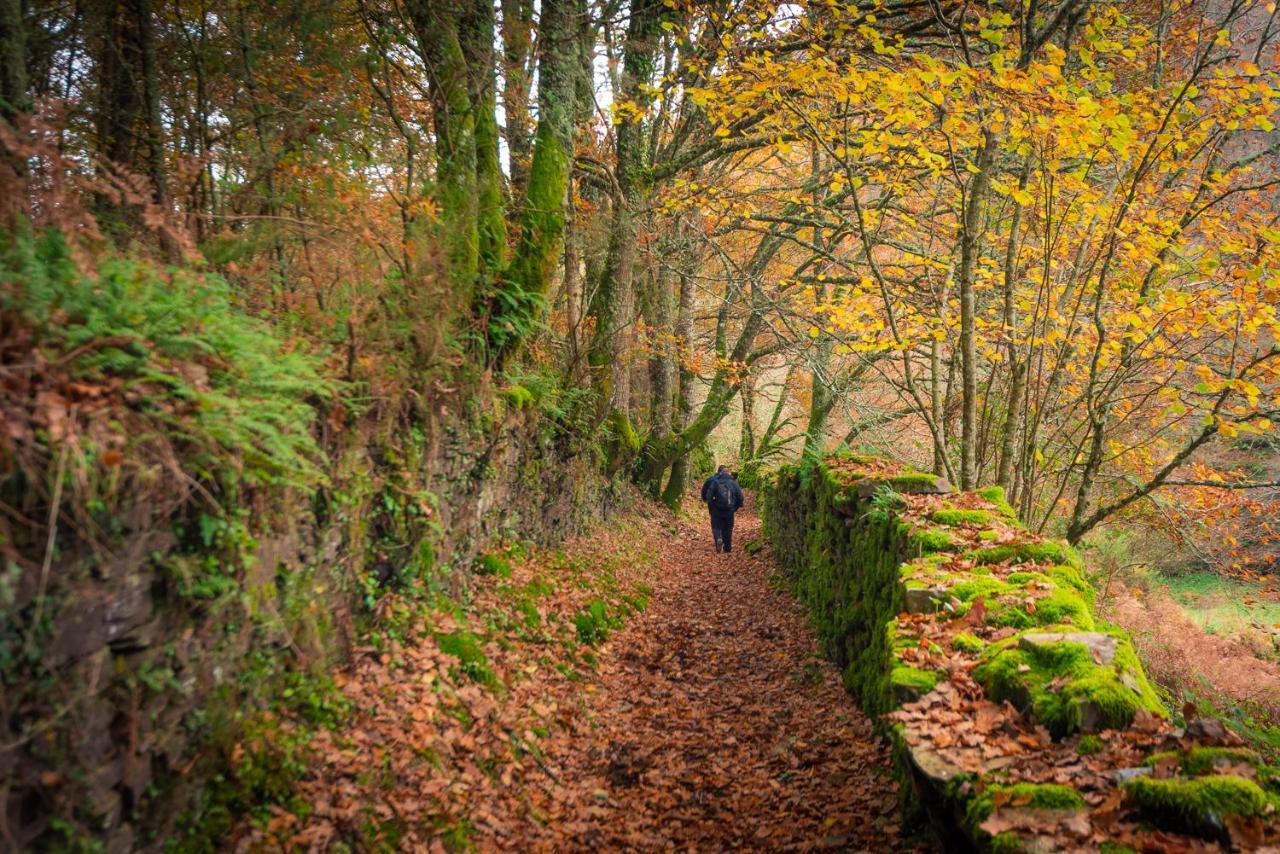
{"points": [[936, 485], [1103, 647]]}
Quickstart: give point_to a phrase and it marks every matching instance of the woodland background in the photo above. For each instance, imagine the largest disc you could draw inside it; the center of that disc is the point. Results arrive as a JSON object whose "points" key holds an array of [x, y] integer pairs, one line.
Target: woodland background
{"points": [[354, 281]]}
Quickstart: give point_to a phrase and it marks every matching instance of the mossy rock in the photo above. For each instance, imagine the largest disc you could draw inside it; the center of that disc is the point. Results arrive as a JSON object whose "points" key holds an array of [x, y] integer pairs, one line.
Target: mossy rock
{"points": [[926, 540], [954, 516], [1198, 806], [965, 642], [1070, 576], [1045, 552], [1036, 796], [915, 482], [1064, 606], [1205, 760], [912, 683], [970, 589], [1065, 687], [995, 495]]}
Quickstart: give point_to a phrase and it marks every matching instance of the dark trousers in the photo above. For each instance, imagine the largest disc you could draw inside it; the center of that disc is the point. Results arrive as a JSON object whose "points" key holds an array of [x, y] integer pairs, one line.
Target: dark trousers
{"points": [[722, 521]]}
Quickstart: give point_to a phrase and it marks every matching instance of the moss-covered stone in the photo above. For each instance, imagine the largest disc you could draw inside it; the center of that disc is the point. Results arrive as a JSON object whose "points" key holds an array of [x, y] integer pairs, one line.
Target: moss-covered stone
{"points": [[1065, 687], [995, 495], [953, 516], [925, 540], [1064, 606], [1198, 805], [965, 642], [915, 481], [988, 587], [1044, 552], [1046, 796], [1202, 760], [910, 683]]}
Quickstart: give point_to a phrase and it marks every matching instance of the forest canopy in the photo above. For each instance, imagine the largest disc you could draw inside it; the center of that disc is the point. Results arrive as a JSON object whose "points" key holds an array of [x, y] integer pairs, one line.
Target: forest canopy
{"points": [[1025, 244]]}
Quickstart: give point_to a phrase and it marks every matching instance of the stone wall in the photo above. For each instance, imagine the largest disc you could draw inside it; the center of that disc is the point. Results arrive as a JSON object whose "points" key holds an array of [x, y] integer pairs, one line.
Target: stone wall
{"points": [[157, 631], [1021, 721]]}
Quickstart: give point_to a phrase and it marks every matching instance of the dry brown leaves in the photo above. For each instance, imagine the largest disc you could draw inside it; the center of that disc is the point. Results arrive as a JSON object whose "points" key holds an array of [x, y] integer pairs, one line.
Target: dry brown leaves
{"points": [[709, 721], [955, 730]]}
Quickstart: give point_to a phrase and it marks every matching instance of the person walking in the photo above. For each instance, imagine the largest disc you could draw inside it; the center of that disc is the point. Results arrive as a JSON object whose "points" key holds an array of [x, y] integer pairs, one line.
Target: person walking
{"points": [[723, 498]]}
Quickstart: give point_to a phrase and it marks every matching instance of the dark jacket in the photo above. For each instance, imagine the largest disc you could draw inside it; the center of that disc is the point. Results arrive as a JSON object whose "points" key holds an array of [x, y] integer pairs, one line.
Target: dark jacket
{"points": [[733, 488]]}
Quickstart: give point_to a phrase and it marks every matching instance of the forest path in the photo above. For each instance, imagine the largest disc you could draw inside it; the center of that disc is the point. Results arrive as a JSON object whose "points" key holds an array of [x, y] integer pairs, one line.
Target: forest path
{"points": [[717, 723], [708, 721]]}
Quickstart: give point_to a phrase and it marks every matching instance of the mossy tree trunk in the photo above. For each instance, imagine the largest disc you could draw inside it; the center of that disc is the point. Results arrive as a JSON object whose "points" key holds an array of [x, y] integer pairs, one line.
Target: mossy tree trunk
{"points": [[526, 280], [14, 98], [14, 101], [674, 490], [438, 25], [613, 297], [517, 78]]}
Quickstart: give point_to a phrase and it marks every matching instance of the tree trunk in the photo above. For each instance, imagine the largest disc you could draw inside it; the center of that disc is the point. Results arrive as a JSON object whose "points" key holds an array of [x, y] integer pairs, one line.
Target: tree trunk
{"points": [[127, 115], [969, 240], [523, 290], [517, 44], [613, 302], [684, 395], [14, 100], [14, 97], [438, 24]]}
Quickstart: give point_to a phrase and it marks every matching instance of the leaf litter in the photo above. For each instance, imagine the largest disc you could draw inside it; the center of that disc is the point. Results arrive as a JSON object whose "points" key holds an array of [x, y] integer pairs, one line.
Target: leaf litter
{"points": [[707, 720]]}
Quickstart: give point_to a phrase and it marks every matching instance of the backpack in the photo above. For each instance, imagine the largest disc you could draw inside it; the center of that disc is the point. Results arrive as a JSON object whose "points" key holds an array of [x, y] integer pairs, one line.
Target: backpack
{"points": [[722, 494]]}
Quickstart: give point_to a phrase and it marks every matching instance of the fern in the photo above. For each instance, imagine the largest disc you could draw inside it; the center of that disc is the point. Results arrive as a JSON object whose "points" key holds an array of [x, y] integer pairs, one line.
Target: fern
{"points": [[222, 386]]}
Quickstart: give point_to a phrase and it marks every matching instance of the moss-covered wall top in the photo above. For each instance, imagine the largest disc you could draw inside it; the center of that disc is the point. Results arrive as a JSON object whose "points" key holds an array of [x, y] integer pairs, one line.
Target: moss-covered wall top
{"points": [[1023, 722]]}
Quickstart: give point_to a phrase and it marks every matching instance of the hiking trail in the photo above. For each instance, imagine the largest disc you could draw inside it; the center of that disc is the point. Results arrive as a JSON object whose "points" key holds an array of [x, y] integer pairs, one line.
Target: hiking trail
{"points": [[711, 721]]}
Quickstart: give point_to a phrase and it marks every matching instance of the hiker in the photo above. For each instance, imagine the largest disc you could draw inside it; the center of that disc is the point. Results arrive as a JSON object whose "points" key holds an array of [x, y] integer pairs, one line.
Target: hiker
{"points": [[723, 497]]}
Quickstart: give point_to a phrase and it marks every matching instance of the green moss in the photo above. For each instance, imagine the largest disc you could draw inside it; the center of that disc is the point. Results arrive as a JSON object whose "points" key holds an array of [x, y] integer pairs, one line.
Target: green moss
{"points": [[1064, 606], [1037, 796], [1202, 760], [995, 494], [1196, 806], [993, 554], [988, 536], [623, 433], [517, 396], [966, 591], [965, 642], [1046, 552], [1089, 745], [491, 564], [910, 682], [595, 622], [1065, 688], [924, 540], [467, 648], [1110, 847], [907, 481], [1051, 552], [1010, 615], [1070, 576], [949, 516]]}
